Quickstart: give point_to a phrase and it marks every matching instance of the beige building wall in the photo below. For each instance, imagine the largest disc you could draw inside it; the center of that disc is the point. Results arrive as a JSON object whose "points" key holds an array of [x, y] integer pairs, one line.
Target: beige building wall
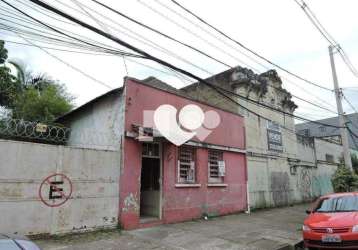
{"points": [[275, 178]]}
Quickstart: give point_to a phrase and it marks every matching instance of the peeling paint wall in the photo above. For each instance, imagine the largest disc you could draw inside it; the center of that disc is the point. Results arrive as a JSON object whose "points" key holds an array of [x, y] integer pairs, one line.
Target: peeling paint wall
{"points": [[186, 203], [275, 178], [94, 175], [181, 203]]}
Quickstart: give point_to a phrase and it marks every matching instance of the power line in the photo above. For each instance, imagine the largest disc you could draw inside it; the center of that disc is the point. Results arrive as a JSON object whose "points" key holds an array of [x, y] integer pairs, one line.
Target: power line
{"points": [[248, 49], [41, 33], [211, 34], [160, 33], [43, 13], [349, 103], [57, 49], [160, 61], [314, 104], [191, 47], [219, 39], [59, 42], [315, 21], [57, 30], [69, 65], [146, 41]]}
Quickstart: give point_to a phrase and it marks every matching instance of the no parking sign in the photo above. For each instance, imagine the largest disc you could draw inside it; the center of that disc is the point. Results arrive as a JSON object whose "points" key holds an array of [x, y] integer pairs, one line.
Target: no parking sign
{"points": [[55, 190]]}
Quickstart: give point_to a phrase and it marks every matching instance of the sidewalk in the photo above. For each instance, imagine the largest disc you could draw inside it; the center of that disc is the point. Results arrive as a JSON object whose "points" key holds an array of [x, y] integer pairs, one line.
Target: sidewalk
{"points": [[264, 229]]}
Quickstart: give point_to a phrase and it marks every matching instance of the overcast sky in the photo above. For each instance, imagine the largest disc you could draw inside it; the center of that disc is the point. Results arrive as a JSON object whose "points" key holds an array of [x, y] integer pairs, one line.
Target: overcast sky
{"points": [[277, 29]]}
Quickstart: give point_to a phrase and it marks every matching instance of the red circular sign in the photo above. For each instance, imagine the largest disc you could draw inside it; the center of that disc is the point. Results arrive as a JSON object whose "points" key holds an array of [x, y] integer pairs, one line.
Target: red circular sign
{"points": [[58, 187]]}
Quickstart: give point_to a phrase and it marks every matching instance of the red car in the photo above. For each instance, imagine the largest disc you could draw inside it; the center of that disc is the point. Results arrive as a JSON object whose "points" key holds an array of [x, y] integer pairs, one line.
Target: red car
{"points": [[332, 223]]}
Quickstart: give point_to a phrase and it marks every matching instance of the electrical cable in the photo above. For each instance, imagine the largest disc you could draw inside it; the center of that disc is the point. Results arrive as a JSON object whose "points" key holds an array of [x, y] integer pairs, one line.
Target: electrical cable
{"points": [[242, 62], [41, 33], [349, 103], [57, 49], [69, 65], [160, 61], [248, 49], [54, 29], [160, 33], [191, 47], [146, 41], [314, 20]]}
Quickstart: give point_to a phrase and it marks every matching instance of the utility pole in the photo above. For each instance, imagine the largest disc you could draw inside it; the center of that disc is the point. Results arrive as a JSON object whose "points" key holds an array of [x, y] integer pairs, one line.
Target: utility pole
{"points": [[342, 122]]}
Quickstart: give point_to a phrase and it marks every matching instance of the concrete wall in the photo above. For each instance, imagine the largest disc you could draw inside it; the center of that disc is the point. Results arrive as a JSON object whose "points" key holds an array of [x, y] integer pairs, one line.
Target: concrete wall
{"points": [[275, 178], [98, 125], [94, 175]]}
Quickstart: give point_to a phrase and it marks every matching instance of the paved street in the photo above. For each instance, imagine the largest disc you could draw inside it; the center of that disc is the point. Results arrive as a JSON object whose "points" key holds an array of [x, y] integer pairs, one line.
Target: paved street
{"points": [[264, 229]]}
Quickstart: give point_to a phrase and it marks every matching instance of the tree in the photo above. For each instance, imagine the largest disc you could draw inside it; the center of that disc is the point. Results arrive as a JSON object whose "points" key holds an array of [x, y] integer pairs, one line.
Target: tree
{"points": [[45, 105], [344, 180], [29, 79], [9, 85], [30, 96]]}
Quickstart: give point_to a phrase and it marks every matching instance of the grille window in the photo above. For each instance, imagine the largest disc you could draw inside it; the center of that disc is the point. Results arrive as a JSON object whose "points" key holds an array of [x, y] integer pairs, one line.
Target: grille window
{"points": [[186, 165], [216, 166]]}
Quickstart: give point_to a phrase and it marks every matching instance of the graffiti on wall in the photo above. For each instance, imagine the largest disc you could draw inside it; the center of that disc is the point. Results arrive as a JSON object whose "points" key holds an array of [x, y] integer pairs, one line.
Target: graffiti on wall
{"points": [[280, 186], [304, 183]]}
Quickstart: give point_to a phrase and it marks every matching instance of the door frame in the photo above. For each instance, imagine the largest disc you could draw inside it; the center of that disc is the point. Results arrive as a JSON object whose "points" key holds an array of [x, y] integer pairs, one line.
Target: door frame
{"points": [[160, 157]]}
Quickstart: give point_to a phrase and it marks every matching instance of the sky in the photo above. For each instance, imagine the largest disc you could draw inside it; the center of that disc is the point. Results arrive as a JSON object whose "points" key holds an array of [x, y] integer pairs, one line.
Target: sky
{"points": [[276, 29]]}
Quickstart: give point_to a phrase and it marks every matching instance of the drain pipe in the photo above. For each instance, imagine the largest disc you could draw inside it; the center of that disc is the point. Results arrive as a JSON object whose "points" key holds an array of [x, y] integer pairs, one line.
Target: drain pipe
{"points": [[248, 210]]}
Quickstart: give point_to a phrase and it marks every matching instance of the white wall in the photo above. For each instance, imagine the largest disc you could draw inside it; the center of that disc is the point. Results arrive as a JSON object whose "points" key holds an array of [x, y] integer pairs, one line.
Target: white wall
{"points": [[327, 147], [95, 197], [98, 125]]}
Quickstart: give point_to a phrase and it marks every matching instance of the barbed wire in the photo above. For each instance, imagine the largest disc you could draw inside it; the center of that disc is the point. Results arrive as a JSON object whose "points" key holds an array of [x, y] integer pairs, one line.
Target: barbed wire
{"points": [[17, 129]]}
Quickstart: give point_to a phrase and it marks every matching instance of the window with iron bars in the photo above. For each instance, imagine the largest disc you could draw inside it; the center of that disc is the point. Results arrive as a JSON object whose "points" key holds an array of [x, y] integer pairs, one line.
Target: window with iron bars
{"points": [[186, 165], [216, 166]]}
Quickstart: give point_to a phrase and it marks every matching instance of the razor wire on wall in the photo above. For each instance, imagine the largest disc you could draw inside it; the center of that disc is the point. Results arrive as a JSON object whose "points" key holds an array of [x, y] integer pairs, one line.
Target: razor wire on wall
{"points": [[16, 129]]}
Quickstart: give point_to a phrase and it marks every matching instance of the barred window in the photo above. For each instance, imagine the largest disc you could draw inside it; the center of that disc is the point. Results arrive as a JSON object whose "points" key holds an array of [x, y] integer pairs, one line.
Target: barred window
{"points": [[186, 165], [216, 166]]}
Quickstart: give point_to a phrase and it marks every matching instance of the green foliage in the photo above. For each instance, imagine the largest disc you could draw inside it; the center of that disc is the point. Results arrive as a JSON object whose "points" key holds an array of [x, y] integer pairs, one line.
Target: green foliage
{"points": [[9, 86], [29, 96], [45, 105], [344, 180], [3, 52]]}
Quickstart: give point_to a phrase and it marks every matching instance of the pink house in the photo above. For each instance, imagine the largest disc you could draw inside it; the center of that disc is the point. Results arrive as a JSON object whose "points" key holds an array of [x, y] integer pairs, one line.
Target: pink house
{"points": [[159, 181]]}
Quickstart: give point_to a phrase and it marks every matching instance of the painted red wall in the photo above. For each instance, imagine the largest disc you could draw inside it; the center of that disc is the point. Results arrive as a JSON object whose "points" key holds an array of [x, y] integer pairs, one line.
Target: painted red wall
{"points": [[140, 97], [186, 203]]}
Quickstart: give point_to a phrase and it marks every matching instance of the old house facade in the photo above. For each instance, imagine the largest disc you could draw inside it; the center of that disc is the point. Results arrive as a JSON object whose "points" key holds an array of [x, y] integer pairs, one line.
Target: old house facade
{"points": [[267, 163], [160, 182], [123, 171], [279, 169]]}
